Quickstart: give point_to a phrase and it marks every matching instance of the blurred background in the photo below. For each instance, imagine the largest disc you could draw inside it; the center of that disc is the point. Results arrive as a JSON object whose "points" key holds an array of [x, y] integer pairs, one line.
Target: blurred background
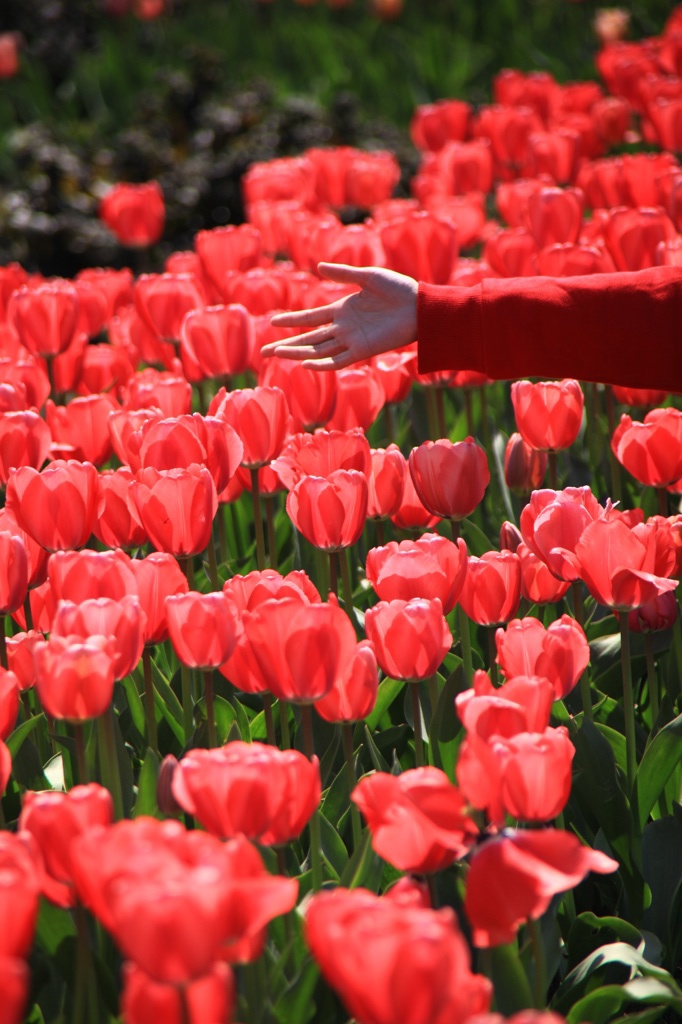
{"points": [[190, 92]]}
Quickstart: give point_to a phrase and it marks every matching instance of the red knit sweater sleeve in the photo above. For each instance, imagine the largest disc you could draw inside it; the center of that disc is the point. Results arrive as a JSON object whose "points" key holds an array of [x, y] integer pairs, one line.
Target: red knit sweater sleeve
{"points": [[622, 328]]}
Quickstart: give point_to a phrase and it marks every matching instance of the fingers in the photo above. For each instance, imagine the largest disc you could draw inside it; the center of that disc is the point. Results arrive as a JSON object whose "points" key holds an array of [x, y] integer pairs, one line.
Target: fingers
{"points": [[305, 317], [311, 340]]}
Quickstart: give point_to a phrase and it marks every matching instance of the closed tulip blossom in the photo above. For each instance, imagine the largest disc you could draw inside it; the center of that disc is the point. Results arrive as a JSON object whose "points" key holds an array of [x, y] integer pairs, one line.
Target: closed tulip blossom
{"points": [[553, 522], [330, 511], [134, 213], [548, 414], [431, 566], [412, 514], [492, 587], [19, 895], [177, 442], [257, 790], [522, 704], [207, 998], [321, 453], [389, 961], [524, 466], [651, 451], [9, 702], [450, 478], [560, 653], [75, 677], [217, 340], [260, 417], [82, 426], [176, 508], [84, 575], [114, 524], [619, 566], [203, 628], [14, 569], [45, 317], [24, 441], [410, 638], [354, 693], [513, 877], [386, 482], [122, 621], [538, 584], [417, 820], [57, 506], [311, 396]]}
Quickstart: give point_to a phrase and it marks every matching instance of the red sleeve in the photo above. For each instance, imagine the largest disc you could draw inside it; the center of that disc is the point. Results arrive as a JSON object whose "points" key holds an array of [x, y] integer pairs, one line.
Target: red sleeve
{"points": [[623, 328]]}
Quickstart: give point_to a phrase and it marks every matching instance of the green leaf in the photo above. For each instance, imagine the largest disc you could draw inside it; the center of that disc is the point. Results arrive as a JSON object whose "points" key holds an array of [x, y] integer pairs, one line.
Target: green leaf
{"points": [[334, 850], [146, 788], [510, 982], [388, 691], [135, 705], [242, 720], [364, 868], [614, 964], [377, 760], [588, 932], [446, 729], [597, 1007], [657, 765], [297, 1006], [17, 737]]}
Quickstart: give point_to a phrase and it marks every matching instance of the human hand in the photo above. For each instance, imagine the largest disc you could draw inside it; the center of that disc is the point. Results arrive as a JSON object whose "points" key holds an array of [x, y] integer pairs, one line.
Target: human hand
{"points": [[380, 317]]}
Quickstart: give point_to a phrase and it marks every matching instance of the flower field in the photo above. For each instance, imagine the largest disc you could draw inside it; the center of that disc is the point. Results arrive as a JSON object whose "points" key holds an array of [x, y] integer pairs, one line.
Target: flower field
{"points": [[349, 695]]}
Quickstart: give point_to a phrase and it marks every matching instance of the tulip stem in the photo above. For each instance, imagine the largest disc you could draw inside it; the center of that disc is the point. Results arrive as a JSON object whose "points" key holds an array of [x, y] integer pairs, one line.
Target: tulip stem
{"points": [[149, 708], [269, 720], [222, 534], [651, 676], [83, 974], [440, 412], [315, 834], [552, 466], [186, 563], [662, 501], [388, 423], [431, 413], [628, 700], [283, 708], [417, 725], [347, 736], [469, 409], [187, 702], [380, 532], [347, 587], [28, 612], [272, 533], [183, 1001], [433, 693], [26, 703], [465, 640], [540, 975], [258, 520], [212, 564], [579, 615], [492, 654], [210, 711], [333, 572], [106, 741], [81, 759]]}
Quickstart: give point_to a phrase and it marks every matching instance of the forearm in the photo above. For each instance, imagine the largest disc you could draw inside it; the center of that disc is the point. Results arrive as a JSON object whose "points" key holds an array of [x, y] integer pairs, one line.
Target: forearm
{"points": [[623, 328]]}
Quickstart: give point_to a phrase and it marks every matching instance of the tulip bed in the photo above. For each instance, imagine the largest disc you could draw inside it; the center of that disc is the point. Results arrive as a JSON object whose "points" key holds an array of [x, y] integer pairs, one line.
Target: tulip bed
{"points": [[353, 695]]}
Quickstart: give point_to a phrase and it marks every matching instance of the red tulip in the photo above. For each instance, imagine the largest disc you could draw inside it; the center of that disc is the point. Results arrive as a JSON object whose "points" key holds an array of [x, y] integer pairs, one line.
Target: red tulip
{"points": [[266, 794], [310, 395], [330, 512], [75, 677], [492, 587], [260, 417], [553, 522], [431, 566], [619, 566], [638, 396], [354, 693], [386, 482], [549, 414], [56, 820], [24, 441], [410, 638], [295, 649], [9, 702], [14, 570], [523, 704], [208, 998], [20, 657], [82, 426], [45, 317], [165, 391], [176, 508], [83, 575], [114, 525], [412, 514], [321, 453], [631, 236], [512, 878], [121, 621], [217, 340], [203, 628], [163, 301], [450, 478], [570, 260], [360, 397], [14, 972], [157, 577], [651, 451], [555, 153], [434, 124], [511, 253], [57, 506], [554, 215], [508, 129], [177, 442], [417, 820], [421, 245], [227, 248], [524, 466], [560, 652], [135, 213], [390, 961], [19, 893]]}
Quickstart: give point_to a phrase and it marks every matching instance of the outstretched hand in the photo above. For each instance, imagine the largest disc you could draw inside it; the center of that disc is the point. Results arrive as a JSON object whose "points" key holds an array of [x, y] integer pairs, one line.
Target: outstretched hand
{"points": [[380, 317]]}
